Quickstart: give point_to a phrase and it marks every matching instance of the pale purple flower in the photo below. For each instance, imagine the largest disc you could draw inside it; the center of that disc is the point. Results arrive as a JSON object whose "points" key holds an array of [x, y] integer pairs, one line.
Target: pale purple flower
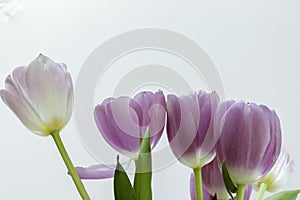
{"points": [[213, 180], [250, 140], [278, 175], [41, 95], [123, 121], [190, 128]]}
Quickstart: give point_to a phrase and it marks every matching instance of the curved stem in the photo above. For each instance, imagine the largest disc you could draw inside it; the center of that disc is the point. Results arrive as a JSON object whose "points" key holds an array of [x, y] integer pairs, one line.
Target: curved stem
{"points": [[198, 183], [240, 193], [262, 189], [80, 187]]}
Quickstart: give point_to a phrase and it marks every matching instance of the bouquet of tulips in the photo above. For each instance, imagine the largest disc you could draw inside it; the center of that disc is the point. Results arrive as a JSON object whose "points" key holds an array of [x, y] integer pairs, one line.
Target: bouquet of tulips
{"points": [[231, 147]]}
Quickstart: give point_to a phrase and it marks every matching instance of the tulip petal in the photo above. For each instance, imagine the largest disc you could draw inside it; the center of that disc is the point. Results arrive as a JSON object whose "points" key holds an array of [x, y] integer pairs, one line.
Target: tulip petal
{"points": [[117, 128], [20, 108], [96, 171], [48, 86]]}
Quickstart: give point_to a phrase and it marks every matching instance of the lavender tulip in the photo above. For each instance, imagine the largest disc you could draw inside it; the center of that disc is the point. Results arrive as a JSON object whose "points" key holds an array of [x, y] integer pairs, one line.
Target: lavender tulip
{"points": [[213, 179], [277, 176], [189, 127], [190, 131], [123, 121], [250, 140], [41, 95]]}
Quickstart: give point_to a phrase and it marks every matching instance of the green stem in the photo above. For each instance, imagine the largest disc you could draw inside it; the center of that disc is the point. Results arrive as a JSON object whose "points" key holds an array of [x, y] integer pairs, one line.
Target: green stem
{"points": [[262, 189], [240, 192], [198, 183], [84, 195]]}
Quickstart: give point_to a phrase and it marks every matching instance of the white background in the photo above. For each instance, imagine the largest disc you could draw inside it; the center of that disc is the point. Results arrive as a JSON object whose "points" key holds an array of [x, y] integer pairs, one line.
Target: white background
{"points": [[254, 44]]}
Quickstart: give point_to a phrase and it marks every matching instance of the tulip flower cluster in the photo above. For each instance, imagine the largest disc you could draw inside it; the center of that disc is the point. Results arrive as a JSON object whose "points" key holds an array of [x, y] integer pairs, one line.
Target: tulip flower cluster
{"points": [[229, 146]]}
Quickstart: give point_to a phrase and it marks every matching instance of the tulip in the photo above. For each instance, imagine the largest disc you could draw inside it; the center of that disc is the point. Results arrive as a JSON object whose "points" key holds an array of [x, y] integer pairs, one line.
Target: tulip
{"points": [[41, 95], [190, 130], [123, 121], [250, 140], [277, 176], [213, 179]]}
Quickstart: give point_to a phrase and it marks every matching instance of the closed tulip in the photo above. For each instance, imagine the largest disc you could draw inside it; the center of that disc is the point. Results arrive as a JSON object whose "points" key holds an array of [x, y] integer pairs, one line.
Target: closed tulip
{"points": [[190, 131], [250, 140], [189, 127], [41, 95], [123, 121], [213, 179]]}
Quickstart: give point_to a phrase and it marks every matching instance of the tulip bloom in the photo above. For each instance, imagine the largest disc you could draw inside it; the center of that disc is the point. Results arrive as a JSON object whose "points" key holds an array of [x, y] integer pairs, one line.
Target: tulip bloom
{"points": [[123, 121], [250, 140], [190, 131], [278, 175], [213, 179], [41, 95], [189, 127]]}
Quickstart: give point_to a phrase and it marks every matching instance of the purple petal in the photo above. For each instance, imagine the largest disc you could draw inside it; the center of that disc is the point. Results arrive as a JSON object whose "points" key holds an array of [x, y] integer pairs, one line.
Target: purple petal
{"points": [[250, 140], [190, 128], [121, 139], [96, 171]]}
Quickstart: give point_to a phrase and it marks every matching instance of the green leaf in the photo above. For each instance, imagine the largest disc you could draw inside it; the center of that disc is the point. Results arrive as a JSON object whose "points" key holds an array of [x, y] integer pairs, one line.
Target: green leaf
{"points": [[122, 185], [230, 187], [143, 174], [285, 195]]}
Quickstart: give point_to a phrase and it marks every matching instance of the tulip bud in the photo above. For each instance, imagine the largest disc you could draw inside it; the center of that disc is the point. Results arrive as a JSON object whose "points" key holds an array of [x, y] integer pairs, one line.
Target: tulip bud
{"points": [[250, 140], [41, 95]]}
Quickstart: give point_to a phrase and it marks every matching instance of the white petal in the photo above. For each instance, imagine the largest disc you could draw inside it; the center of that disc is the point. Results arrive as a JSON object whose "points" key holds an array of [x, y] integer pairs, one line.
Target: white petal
{"points": [[21, 109], [50, 92]]}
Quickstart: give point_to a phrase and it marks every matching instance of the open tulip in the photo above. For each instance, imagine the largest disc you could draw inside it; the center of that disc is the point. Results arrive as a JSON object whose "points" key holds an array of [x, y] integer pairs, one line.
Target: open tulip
{"points": [[41, 95], [250, 140], [277, 176]]}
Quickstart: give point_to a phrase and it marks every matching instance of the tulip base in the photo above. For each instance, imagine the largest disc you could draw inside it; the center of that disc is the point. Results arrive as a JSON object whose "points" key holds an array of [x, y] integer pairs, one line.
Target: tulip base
{"points": [[198, 183], [78, 183]]}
